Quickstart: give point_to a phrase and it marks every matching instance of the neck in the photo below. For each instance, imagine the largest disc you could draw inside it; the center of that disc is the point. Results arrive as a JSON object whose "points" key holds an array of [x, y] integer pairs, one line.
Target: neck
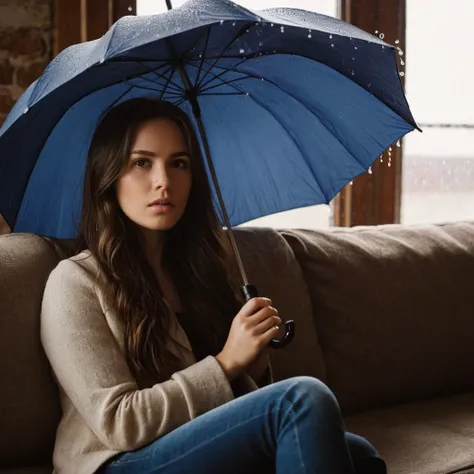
{"points": [[153, 243]]}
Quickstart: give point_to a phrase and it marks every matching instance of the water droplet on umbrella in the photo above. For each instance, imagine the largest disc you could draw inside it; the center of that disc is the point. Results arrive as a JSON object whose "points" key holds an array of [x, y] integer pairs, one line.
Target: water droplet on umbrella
{"points": [[355, 47], [26, 110], [247, 94], [222, 22], [309, 35], [402, 73], [400, 52], [383, 47], [332, 46], [271, 24], [389, 149], [399, 144], [282, 29], [381, 158], [263, 80], [376, 32], [381, 36], [351, 183], [352, 73], [397, 41], [370, 170], [233, 23], [260, 43], [102, 60], [242, 51], [353, 59], [130, 8], [330, 36], [402, 62]]}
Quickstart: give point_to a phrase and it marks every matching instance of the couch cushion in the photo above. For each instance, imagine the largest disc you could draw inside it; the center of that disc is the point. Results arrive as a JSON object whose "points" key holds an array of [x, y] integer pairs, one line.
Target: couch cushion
{"points": [[434, 437], [272, 267], [394, 309], [29, 401]]}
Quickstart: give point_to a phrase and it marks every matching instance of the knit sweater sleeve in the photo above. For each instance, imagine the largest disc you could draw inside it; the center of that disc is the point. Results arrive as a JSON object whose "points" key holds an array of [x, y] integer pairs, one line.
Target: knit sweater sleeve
{"points": [[93, 373]]}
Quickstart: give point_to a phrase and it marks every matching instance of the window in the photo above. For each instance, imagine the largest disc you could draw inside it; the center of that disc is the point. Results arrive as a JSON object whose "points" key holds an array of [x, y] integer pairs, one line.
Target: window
{"points": [[310, 217], [438, 165]]}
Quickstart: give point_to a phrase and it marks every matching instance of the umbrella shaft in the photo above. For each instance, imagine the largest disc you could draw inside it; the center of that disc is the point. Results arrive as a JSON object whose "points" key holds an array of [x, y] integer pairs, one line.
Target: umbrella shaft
{"points": [[225, 216], [168, 4]]}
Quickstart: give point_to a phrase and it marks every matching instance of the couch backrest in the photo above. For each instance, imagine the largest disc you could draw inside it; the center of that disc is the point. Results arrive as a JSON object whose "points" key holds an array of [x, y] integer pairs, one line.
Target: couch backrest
{"points": [[29, 405], [394, 309], [272, 267]]}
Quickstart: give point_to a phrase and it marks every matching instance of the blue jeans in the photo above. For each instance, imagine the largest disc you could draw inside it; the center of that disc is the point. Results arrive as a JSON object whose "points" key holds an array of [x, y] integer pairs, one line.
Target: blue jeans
{"points": [[289, 427]]}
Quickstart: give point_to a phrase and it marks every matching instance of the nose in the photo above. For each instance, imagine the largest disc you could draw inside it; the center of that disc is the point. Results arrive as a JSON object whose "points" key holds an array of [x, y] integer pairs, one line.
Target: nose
{"points": [[160, 176]]}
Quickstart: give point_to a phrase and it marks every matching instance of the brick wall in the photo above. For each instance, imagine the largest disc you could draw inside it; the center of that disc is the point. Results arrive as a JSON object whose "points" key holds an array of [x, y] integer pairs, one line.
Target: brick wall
{"points": [[25, 49]]}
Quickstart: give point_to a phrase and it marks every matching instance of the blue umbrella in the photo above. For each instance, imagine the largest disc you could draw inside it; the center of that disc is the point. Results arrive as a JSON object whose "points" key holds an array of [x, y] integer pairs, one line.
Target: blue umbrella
{"points": [[292, 105]]}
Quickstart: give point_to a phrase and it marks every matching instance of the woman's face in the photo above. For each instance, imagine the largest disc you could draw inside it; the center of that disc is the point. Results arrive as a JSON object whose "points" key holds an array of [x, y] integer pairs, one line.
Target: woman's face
{"points": [[154, 187]]}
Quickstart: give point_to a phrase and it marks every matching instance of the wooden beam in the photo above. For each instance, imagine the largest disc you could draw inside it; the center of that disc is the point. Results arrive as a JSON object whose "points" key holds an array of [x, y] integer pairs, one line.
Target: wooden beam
{"points": [[67, 18], [374, 198]]}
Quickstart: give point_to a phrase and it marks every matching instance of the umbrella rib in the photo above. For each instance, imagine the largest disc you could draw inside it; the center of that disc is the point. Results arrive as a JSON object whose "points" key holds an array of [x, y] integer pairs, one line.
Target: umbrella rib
{"points": [[249, 75], [218, 58], [167, 81], [173, 69], [177, 86], [218, 76], [203, 55]]}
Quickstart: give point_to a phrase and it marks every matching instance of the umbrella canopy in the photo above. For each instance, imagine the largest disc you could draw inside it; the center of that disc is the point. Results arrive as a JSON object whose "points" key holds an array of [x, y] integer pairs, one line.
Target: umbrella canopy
{"points": [[295, 105]]}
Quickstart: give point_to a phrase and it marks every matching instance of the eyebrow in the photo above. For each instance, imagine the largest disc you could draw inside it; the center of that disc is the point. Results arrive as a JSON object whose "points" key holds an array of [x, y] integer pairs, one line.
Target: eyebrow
{"points": [[152, 155]]}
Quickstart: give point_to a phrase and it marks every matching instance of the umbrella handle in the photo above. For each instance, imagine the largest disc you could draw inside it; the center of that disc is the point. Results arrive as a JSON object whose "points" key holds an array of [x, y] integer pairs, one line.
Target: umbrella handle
{"points": [[249, 292]]}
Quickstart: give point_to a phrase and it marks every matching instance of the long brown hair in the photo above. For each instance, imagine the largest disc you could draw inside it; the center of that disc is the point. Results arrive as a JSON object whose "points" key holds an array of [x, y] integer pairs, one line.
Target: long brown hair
{"points": [[195, 252]]}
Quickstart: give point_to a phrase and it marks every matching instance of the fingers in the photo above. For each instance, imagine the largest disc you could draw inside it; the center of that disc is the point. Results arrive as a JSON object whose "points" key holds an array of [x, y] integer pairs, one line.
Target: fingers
{"points": [[253, 306]]}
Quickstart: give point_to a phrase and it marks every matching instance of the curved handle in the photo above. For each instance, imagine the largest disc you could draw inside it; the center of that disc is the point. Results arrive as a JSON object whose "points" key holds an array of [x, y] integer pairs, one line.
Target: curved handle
{"points": [[249, 292]]}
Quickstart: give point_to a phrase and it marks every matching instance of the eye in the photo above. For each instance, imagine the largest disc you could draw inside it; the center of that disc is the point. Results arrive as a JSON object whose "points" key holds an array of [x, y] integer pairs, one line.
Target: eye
{"points": [[181, 163], [141, 163]]}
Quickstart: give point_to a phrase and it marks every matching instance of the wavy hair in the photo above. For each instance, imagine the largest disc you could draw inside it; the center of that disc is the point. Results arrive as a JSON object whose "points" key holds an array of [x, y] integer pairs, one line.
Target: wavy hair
{"points": [[196, 252]]}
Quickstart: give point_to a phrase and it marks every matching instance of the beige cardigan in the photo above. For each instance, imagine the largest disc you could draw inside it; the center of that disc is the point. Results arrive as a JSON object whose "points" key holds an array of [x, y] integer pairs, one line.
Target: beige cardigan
{"points": [[104, 411]]}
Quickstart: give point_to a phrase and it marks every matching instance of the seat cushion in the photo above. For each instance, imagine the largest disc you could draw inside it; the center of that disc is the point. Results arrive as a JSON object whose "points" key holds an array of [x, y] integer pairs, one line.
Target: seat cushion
{"points": [[432, 437], [393, 307], [30, 409]]}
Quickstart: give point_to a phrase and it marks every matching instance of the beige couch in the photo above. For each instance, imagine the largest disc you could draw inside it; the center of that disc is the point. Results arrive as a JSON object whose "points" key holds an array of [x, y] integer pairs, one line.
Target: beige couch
{"points": [[384, 315]]}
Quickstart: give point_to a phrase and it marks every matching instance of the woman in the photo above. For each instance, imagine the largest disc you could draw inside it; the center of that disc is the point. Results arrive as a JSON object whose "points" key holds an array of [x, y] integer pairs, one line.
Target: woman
{"points": [[157, 361]]}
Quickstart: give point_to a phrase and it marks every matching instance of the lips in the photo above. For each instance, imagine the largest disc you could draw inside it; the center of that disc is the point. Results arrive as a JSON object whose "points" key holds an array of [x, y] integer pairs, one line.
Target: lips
{"points": [[160, 202]]}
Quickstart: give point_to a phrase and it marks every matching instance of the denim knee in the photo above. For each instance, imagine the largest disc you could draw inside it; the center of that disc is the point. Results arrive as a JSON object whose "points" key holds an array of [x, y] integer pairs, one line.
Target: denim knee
{"points": [[312, 394]]}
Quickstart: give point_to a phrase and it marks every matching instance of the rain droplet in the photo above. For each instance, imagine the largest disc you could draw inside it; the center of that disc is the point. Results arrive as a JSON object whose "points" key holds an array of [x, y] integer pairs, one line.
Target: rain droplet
{"points": [[353, 59], [222, 22], [376, 32], [381, 36], [309, 35], [26, 110], [282, 29], [330, 36], [332, 46], [402, 62], [390, 162], [383, 47], [247, 94], [233, 23], [355, 47], [102, 60], [263, 80], [402, 73], [260, 43], [400, 52], [130, 8], [351, 183], [399, 144], [352, 73], [370, 170], [271, 24], [381, 158], [397, 41], [390, 149], [242, 51]]}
